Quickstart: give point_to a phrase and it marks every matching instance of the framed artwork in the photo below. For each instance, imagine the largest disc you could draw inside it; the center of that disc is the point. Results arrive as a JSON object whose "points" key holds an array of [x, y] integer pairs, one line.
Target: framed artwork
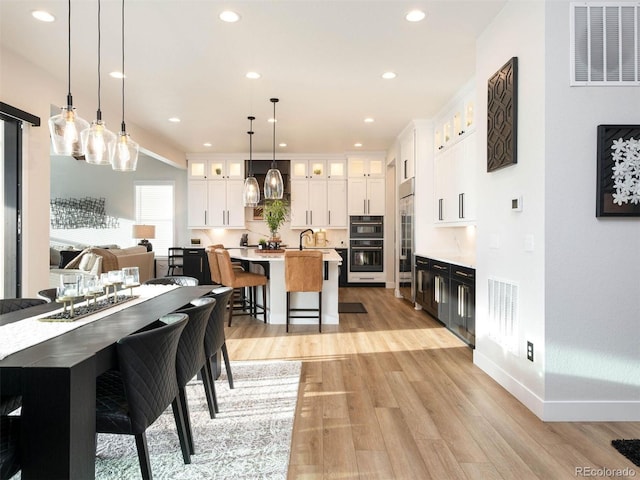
{"points": [[502, 116], [618, 189]]}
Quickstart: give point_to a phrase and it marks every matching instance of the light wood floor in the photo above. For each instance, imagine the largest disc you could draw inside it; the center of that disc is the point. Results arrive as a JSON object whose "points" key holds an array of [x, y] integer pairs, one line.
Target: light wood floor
{"points": [[391, 394]]}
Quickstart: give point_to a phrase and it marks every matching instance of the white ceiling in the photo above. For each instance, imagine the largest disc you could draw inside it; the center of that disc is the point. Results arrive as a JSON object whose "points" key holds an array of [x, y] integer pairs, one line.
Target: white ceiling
{"points": [[323, 59]]}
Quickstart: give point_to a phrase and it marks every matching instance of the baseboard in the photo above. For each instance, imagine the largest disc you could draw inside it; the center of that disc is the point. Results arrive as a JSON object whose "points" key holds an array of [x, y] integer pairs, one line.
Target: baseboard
{"points": [[529, 399], [560, 411]]}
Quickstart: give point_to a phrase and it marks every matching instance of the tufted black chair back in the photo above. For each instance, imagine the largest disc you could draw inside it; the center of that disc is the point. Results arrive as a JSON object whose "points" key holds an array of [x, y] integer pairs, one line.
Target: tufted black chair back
{"points": [[215, 341], [12, 304], [190, 357], [130, 399], [174, 280], [9, 446], [48, 294]]}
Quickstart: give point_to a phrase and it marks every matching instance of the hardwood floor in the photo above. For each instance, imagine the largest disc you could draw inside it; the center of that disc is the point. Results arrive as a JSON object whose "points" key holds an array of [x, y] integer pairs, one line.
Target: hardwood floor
{"points": [[391, 394]]}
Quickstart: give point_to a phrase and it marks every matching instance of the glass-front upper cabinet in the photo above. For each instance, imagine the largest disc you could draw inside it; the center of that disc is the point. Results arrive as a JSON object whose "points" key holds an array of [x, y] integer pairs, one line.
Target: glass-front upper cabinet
{"points": [[210, 169], [309, 169]]}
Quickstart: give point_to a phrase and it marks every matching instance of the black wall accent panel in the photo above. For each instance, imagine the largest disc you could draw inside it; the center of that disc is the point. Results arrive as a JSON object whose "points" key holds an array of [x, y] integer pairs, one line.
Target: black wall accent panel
{"points": [[502, 116]]}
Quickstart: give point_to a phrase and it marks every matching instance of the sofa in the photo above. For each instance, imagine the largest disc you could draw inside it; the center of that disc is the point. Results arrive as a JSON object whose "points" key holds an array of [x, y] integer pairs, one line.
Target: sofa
{"points": [[94, 261]]}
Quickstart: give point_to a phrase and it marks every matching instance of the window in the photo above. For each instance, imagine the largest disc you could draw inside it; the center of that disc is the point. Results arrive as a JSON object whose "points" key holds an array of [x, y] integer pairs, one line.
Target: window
{"points": [[154, 206]]}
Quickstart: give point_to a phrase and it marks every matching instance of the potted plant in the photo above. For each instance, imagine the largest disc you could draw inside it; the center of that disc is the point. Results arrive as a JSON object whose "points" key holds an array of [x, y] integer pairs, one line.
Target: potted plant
{"points": [[262, 244], [275, 214]]}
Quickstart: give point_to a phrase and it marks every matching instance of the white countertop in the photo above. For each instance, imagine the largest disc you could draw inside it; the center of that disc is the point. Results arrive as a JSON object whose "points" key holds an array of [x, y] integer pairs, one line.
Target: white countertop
{"points": [[253, 254], [461, 260]]}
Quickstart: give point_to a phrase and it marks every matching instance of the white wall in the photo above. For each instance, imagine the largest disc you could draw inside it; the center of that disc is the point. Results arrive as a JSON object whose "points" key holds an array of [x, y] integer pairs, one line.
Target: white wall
{"points": [[579, 287], [517, 31], [592, 284], [75, 179]]}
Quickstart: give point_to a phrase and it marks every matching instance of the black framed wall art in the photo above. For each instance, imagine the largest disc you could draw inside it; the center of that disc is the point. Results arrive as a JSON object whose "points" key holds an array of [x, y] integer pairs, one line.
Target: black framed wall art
{"points": [[618, 189], [502, 117]]}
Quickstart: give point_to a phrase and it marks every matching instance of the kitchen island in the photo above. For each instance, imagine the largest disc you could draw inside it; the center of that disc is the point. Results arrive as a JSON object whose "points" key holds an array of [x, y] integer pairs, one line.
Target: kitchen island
{"points": [[273, 264]]}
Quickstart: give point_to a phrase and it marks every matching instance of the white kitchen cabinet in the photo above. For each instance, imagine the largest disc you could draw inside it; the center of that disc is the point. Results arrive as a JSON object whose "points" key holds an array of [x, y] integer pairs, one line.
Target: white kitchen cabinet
{"points": [[455, 183], [408, 155], [366, 167], [336, 169], [308, 203], [197, 203], [456, 123], [337, 204], [213, 203], [308, 169], [225, 207], [366, 196], [215, 169]]}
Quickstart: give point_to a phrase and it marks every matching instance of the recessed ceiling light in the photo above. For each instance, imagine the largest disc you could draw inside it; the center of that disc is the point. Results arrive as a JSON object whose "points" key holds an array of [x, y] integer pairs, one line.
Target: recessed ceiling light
{"points": [[357, 145], [369, 120], [389, 75], [229, 16], [43, 16], [415, 16], [253, 75], [206, 144], [282, 144], [117, 75], [174, 120]]}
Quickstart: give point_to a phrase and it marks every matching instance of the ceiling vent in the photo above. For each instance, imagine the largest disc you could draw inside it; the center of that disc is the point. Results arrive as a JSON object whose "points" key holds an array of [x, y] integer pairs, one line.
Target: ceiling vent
{"points": [[605, 43]]}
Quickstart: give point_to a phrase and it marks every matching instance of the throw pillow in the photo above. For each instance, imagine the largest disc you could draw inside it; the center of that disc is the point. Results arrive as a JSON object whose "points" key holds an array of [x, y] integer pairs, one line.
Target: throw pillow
{"points": [[96, 269], [87, 261]]}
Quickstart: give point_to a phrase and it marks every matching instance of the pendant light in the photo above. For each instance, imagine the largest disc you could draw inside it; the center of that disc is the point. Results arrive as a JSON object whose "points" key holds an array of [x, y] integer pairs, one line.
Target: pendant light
{"points": [[251, 191], [65, 127], [96, 140], [273, 184], [124, 155]]}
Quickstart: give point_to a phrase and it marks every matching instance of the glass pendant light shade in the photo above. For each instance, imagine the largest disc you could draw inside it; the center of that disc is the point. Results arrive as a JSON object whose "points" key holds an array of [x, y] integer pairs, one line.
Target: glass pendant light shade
{"points": [[96, 139], [251, 192], [65, 127], [273, 184], [251, 189], [97, 142], [124, 154], [65, 131]]}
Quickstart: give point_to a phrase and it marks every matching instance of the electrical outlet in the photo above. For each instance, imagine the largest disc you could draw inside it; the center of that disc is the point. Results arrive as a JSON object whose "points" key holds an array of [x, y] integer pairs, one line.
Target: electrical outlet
{"points": [[530, 351]]}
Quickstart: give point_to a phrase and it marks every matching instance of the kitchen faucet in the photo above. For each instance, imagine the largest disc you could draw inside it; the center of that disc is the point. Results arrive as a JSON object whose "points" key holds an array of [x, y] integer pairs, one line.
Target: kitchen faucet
{"points": [[302, 234]]}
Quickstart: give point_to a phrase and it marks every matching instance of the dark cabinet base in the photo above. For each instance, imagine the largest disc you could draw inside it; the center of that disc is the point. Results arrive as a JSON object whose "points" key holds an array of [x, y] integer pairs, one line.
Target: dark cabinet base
{"points": [[195, 263], [447, 292]]}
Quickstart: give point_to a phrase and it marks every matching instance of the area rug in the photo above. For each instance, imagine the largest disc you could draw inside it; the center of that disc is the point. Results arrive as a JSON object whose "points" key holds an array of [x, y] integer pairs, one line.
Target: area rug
{"points": [[628, 448], [249, 439], [344, 307]]}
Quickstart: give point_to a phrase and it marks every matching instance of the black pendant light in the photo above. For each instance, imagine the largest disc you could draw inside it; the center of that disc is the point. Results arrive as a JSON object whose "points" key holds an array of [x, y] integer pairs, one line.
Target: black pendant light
{"points": [[97, 140], [65, 127], [251, 191], [273, 184]]}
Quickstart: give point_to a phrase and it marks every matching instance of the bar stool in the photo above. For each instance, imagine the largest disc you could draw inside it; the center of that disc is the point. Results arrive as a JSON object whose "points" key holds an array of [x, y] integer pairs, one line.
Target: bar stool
{"points": [[303, 272], [239, 279], [238, 297], [175, 260]]}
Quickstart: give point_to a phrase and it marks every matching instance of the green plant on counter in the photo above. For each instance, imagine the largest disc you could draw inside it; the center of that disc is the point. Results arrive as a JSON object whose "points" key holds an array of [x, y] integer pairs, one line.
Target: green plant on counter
{"points": [[275, 214]]}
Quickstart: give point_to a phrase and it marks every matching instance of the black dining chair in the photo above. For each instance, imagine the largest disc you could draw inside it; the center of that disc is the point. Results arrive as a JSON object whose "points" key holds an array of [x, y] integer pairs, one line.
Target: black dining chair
{"points": [[9, 446], [12, 304], [181, 280], [214, 342], [130, 399], [190, 358], [48, 294]]}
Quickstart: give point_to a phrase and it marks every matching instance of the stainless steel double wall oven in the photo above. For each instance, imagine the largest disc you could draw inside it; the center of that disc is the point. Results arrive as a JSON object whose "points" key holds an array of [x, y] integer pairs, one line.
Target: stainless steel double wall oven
{"points": [[366, 249]]}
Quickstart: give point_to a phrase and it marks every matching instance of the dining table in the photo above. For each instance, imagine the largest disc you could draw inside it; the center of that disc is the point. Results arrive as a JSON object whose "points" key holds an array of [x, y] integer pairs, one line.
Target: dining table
{"points": [[57, 381]]}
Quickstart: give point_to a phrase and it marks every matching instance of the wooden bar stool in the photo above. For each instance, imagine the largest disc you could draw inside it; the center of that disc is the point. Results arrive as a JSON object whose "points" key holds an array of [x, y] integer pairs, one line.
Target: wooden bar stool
{"points": [[303, 272], [234, 278]]}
